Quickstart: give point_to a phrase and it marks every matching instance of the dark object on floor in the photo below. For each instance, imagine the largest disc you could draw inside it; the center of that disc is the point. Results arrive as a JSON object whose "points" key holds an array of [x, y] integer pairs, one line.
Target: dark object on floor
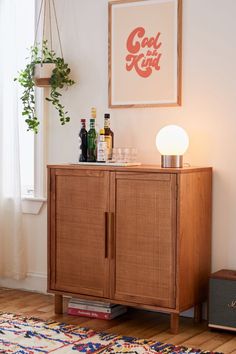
{"points": [[222, 300]]}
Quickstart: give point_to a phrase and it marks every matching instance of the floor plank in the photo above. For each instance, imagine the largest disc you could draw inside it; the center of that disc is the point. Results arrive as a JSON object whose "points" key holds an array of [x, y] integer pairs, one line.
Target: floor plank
{"points": [[137, 323]]}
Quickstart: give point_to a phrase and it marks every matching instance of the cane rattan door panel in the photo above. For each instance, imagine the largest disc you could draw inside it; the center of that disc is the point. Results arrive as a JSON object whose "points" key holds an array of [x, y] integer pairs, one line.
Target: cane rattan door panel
{"points": [[145, 239], [79, 262]]}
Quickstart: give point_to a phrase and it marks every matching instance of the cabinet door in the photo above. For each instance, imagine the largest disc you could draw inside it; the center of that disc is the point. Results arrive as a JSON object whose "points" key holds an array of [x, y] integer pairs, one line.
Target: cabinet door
{"points": [[145, 238], [78, 231]]}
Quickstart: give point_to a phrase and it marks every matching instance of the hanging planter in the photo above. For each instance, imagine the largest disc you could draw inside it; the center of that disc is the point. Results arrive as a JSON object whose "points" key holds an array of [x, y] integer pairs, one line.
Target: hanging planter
{"points": [[45, 69], [43, 73]]}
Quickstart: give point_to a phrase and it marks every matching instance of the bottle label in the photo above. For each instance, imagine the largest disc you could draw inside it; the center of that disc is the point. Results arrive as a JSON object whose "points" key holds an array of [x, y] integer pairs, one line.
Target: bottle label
{"points": [[106, 123], [102, 151], [108, 141]]}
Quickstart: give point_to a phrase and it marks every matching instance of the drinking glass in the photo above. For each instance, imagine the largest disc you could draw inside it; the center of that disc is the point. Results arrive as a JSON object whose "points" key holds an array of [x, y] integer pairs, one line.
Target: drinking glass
{"points": [[127, 156], [120, 155], [133, 155], [124, 154]]}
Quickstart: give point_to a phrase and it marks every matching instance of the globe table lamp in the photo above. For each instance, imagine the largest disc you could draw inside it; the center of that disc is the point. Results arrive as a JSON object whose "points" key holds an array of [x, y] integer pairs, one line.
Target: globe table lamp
{"points": [[172, 142]]}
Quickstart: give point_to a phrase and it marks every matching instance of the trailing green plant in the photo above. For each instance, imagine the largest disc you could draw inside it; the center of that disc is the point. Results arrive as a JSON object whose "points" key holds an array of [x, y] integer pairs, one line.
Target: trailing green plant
{"points": [[59, 79]]}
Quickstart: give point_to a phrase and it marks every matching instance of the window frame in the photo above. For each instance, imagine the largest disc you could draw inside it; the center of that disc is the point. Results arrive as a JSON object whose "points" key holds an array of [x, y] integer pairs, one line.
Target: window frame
{"points": [[32, 204]]}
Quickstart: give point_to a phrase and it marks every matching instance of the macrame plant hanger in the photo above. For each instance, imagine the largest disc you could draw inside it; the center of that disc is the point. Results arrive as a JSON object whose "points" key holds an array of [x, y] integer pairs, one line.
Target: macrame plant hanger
{"points": [[43, 70]]}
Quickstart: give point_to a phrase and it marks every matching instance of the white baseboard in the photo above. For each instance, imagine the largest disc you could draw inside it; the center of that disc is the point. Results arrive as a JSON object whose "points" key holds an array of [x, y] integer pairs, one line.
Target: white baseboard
{"points": [[33, 282]]}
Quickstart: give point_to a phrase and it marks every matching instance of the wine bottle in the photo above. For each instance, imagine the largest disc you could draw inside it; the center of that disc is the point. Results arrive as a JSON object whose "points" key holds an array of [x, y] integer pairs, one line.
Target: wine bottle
{"points": [[83, 141], [92, 142], [109, 135]]}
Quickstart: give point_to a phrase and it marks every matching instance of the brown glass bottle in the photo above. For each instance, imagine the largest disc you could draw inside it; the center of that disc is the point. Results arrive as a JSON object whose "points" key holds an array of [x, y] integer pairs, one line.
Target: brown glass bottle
{"points": [[109, 135]]}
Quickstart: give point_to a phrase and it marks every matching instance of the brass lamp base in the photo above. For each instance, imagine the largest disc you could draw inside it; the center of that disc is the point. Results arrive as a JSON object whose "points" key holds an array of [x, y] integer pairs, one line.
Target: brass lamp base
{"points": [[171, 161]]}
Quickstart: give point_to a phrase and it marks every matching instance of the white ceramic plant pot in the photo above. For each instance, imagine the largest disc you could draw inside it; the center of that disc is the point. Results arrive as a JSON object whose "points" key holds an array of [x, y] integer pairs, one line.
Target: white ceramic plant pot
{"points": [[43, 73]]}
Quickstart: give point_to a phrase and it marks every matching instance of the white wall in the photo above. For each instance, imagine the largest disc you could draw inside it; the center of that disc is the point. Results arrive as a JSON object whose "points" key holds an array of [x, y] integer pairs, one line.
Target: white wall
{"points": [[35, 227], [207, 112]]}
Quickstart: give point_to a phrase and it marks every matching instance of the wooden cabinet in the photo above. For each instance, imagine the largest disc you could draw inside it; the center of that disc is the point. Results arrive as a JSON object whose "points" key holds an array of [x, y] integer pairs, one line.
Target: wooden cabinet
{"points": [[139, 236]]}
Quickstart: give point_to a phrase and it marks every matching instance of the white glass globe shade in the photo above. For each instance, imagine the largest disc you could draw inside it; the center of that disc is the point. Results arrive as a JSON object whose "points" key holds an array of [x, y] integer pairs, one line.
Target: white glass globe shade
{"points": [[172, 140]]}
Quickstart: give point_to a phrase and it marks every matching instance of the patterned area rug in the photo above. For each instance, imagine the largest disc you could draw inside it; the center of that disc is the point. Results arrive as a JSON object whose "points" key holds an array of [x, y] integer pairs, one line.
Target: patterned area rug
{"points": [[21, 335]]}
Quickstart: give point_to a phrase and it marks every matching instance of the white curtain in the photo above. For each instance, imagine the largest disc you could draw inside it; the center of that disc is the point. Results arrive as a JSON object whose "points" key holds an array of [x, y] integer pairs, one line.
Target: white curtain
{"points": [[12, 242]]}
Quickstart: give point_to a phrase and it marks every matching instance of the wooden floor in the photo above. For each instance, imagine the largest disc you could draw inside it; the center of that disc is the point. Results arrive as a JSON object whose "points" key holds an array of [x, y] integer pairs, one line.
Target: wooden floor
{"points": [[137, 323]]}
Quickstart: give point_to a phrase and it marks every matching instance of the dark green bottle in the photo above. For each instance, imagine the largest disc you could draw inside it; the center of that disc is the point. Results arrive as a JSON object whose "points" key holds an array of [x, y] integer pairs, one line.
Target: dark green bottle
{"points": [[92, 142]]}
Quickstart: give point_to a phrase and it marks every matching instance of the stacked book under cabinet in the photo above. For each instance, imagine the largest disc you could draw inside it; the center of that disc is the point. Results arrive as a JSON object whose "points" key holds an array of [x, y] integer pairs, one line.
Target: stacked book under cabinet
{"points": [[94, 309]]}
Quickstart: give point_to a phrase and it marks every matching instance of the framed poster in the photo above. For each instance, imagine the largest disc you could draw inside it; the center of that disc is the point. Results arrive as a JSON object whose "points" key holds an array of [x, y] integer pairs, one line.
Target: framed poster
{"points": [[145, 53]]}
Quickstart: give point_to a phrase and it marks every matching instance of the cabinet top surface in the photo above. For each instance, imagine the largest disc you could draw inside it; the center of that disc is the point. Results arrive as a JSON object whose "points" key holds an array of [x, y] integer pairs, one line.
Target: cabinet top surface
{"points": [[140, 168], [226, 274]]}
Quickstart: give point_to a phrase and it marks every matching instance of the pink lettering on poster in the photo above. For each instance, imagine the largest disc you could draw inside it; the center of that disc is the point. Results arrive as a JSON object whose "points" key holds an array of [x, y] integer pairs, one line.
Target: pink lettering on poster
{"points": [[144, 52]]}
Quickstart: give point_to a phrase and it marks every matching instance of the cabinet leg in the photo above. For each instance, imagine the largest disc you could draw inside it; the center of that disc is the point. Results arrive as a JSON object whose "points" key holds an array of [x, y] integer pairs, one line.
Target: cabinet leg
{"points": [[174, 323], [198, 312], [58, 304]]}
